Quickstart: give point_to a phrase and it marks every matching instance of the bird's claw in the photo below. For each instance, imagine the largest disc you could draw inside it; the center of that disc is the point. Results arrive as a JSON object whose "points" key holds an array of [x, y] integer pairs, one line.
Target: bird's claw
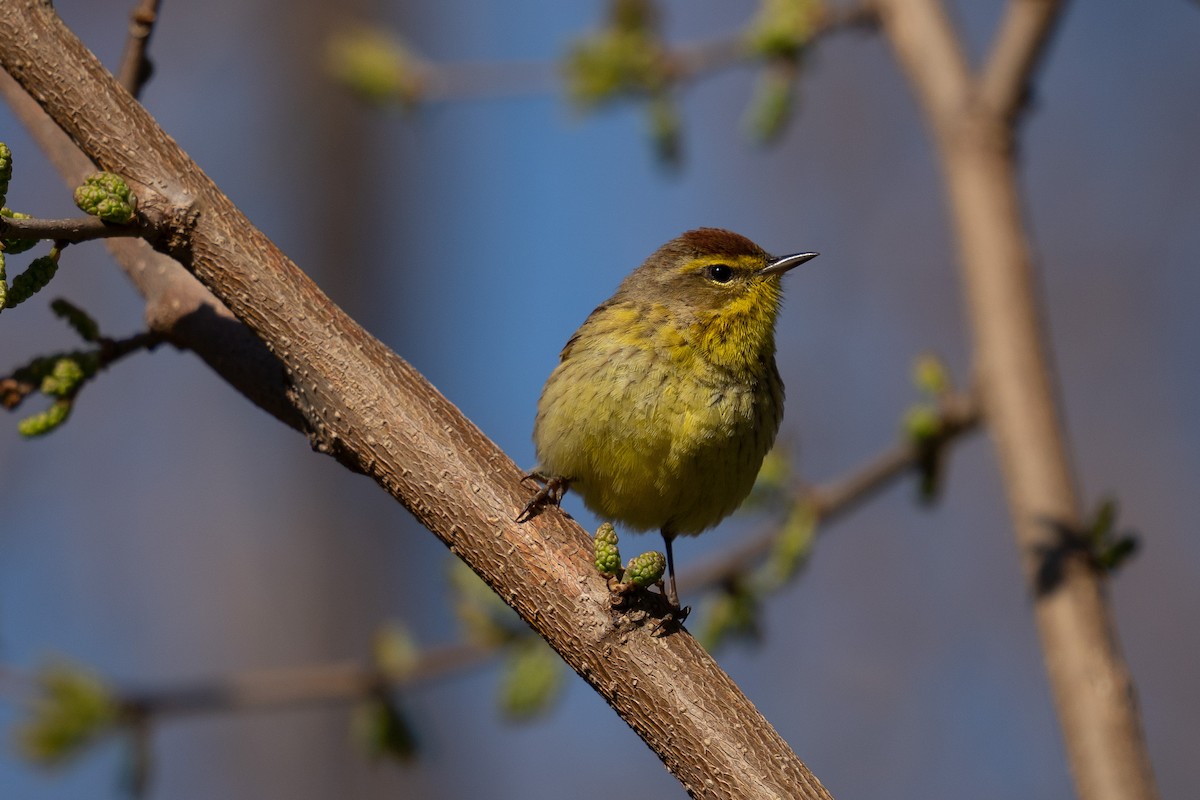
{"points": [[672, 622], [549, 494]]}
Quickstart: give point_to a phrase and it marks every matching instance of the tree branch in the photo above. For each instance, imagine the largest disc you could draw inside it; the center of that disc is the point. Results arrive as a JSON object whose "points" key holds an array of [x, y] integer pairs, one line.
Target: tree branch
{"points": [[135, 67], [960, 415], [74, 230], [364, 405], [1088, 677], [1016, 51], [178, 307]]}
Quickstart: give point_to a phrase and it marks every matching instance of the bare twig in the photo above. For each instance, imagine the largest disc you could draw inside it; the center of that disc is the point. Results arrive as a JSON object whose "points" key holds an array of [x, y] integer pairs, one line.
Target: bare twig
{"points": [[73, 230], [1019, 45], [300, 686], [136, 67], [960, 415]]}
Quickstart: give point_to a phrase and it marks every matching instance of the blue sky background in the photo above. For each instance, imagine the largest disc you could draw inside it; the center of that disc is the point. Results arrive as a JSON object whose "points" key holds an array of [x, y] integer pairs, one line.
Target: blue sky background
{"points": [[172, 532]]}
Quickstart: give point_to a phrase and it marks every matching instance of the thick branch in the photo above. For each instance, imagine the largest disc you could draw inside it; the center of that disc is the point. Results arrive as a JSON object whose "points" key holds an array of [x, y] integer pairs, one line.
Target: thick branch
{"points": [[1091, 685], [363, 404]]}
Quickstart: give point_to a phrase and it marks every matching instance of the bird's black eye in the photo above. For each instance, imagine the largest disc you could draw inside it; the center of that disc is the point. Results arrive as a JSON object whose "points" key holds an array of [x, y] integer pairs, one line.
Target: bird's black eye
{"points": [[721, 273]]}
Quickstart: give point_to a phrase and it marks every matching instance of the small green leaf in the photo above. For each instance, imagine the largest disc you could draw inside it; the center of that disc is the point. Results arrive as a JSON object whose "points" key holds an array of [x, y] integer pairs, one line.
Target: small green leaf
{"points": [[791, 548], [783, 28], [13, 245], [396, 651], [533, 678], [931, 376], [733, 613], [5, 171], [65, 378], [485, 618], [772, 105], [73, 710], [383, 729], [35, 277], [77, 318], [1104, 519], [666, 129], [46, 421], [922, 423]]}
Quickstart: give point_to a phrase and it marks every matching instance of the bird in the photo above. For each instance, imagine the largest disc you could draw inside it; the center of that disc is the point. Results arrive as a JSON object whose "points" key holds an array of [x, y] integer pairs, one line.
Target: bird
{"points": [[667, 398]]}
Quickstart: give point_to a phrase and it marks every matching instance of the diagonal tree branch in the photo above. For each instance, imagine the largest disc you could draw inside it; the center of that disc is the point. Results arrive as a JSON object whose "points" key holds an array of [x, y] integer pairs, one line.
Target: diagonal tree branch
{"points": [[974, 131], [365, 406]]}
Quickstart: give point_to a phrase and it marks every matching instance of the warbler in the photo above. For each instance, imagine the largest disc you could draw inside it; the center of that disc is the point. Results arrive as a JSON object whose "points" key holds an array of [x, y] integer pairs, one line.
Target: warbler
{"points": [[667, 398]]}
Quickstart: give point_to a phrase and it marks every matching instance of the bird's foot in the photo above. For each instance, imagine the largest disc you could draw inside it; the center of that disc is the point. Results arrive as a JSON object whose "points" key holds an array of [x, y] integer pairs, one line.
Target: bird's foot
{"points": [[550, 493]]}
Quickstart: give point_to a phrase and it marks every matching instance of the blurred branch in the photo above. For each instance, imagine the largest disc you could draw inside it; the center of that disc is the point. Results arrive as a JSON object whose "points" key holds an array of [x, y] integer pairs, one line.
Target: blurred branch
{"points": [[136, 67], [300, 686], [364, 405], [960, 415], [178, 307], [973, 120], [1019, 46]]}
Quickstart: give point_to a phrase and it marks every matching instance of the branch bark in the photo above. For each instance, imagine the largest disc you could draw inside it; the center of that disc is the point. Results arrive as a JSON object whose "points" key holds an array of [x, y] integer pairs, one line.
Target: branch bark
{"points": [[364, 405], [973, 121]]}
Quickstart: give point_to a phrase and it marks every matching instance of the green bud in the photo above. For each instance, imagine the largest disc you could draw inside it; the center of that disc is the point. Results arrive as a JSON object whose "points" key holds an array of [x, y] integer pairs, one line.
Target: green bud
{"points": [[5, 170], [35, 277], [64, 379], [48, 420], [931, 376], [77, 318], [73, 709], [603, 66], [106, 196], [608, 555], [922, 423], [12, 246], [646, 570], [375, 66], [782, 28]]}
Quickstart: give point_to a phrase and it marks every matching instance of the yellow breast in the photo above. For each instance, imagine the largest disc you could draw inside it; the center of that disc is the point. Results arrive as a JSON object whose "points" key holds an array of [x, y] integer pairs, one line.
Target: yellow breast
{"points": [[659, 426]]}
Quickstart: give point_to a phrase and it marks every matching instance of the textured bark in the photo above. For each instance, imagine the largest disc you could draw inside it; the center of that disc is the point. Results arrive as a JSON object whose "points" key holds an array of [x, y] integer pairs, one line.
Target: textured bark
{"points": [[360, 402], [973, 121]]}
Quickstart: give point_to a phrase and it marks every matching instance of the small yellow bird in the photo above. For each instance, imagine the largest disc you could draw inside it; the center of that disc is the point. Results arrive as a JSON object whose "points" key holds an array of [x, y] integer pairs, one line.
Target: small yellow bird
{"points": [[667, 398]]}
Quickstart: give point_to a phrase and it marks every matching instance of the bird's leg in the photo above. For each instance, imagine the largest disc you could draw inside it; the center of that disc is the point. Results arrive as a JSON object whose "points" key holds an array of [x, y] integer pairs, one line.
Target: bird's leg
{"points": [[549, 494], [678, 613]]}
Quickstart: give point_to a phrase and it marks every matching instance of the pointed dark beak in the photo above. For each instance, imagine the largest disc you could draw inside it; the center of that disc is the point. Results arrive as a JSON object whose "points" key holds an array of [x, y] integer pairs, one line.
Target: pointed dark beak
{"points": [[782, 265]]}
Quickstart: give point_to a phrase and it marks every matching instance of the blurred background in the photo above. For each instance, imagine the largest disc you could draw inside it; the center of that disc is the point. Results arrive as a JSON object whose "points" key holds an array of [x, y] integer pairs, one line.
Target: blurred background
{"points": [[171, 532]]}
